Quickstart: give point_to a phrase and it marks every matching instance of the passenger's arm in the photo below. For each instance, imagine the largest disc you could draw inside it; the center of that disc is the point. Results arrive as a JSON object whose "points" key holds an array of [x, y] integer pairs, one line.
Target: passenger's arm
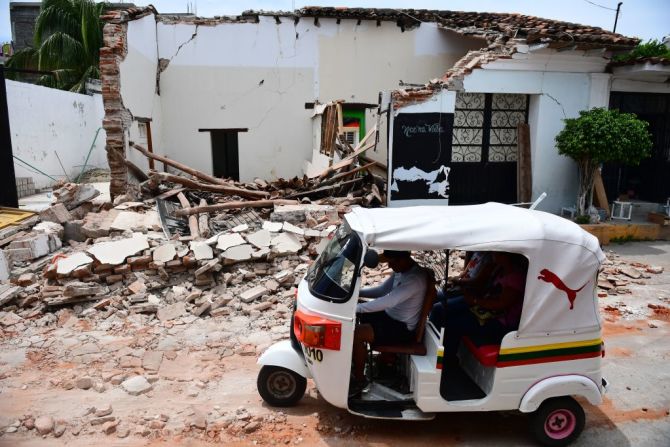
{"points": [[377, 291], [411, 287]]}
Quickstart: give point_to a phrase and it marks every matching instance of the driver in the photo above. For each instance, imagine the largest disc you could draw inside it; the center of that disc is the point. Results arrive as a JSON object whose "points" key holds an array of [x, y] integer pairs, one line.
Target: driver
{"points": [[392, 317]]}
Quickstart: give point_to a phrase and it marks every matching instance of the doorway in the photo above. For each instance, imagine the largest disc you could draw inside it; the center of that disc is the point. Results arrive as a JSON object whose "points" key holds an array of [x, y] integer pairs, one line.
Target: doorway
{"points": [[225, 152]]}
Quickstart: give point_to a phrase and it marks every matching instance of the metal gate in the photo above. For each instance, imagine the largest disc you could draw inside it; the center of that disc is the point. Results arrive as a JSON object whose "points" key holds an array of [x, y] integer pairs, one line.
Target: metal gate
{"points": [[484, 147], [648, 181]]}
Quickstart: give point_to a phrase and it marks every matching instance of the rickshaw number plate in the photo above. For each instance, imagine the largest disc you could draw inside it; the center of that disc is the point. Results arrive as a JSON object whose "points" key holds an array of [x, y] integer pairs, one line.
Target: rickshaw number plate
{"points": [[313, 354]]}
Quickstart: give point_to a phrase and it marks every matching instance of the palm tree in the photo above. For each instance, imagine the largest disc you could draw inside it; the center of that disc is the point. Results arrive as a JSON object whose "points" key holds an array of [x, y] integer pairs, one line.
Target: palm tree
{"points": [[68, 37]]}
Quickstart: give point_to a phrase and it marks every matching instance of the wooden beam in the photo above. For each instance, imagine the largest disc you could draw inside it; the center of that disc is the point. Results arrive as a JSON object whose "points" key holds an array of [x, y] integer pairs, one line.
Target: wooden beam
{"points": [[182, 167], [235, 205], [192, 220], [524, 176], [230, 190]]}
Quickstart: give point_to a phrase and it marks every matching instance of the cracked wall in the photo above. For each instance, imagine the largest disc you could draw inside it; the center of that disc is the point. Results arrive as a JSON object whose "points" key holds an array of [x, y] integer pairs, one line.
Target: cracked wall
{"points": [[259, 75]]}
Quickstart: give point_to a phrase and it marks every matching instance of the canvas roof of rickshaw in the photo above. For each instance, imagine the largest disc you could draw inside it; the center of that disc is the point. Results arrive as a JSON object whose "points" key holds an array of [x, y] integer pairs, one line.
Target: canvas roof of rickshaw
{"points": [[551, 243], [467, 226]]}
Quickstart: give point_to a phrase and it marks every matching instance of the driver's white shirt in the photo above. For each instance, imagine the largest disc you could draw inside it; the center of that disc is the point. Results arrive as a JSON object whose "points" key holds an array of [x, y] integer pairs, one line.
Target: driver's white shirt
{"points": [[401, 295]]}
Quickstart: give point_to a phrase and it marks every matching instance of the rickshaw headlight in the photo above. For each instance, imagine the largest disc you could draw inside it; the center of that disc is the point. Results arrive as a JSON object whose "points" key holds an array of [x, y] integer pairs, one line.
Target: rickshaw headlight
{"points": [[317, 332]]}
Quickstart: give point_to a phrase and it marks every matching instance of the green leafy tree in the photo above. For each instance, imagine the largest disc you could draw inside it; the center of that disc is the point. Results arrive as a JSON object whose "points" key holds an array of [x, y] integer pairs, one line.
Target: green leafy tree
{"points": [[599, 136], [68, 37]]}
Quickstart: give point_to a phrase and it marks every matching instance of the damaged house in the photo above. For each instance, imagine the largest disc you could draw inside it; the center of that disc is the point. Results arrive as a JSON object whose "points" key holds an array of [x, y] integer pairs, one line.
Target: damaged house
{"points": [[481, 96]]}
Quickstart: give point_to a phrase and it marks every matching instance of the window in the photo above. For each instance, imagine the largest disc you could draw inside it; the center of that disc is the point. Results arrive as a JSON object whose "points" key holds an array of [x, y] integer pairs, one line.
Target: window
{"points": [[485, 127], [333, 275], [142, 127]]}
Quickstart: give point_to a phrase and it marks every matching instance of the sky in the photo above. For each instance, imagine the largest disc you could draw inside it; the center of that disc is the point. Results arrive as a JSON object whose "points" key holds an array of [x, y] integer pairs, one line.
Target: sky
{"points": [[646, 19]]}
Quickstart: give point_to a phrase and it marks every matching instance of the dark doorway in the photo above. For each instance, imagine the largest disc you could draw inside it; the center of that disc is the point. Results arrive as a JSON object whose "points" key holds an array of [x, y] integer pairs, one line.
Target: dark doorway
{"points": [[649, 180], [225, 152]]}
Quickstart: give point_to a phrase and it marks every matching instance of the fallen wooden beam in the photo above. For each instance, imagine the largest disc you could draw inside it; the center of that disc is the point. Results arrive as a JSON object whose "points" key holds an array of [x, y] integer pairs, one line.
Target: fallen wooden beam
{"points": [[192, 220], [203, 220], [182, 167], [347, 174], [235, 205], [346, 161], [225, 189]]}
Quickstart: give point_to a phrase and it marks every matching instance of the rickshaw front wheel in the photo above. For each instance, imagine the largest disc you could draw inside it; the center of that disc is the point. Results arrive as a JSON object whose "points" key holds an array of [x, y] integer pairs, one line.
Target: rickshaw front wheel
{"points": [[280, 387], [558, 421]]}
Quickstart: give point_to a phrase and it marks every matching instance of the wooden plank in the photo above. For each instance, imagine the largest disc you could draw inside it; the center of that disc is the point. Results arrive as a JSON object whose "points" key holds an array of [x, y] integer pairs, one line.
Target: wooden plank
{"points": [[192, 219], [524, 177], [234, 205], [346, 161], [600, 194], [165, 177], [182, 167], [340, 119]]}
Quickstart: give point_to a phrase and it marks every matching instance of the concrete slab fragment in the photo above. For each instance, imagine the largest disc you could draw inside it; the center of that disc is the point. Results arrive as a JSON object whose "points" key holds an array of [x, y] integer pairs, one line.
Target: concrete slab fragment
{"points": [[116, 252], [260, 238], [226, 241], [240, 228], [274, 227], [171, 311], [286, 243], [249, 295], [202, 250], [66, 265], [290, 228], [164, 253], [238, 253], [131, 220]]}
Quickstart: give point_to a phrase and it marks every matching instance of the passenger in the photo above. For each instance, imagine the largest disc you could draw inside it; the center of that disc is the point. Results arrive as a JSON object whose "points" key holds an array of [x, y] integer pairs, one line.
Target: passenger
{"points": [[393, 316], [493, 314], [476, 275]]}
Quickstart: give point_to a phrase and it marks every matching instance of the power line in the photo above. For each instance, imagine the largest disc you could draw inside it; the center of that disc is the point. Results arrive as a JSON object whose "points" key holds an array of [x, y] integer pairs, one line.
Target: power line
{"points": [[600, 6]]}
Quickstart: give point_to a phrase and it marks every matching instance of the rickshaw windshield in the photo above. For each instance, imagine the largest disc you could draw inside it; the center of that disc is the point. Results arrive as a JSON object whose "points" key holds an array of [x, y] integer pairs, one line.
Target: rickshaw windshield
{"points": [[333, 275]]}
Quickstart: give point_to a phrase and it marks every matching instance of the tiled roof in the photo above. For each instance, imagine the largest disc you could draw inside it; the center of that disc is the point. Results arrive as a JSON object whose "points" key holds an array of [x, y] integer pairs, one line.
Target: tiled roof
{"points": [[531, 29]]}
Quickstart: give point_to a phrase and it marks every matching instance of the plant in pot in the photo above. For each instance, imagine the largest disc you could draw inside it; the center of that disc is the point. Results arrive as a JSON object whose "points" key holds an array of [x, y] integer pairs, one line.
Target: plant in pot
{"points": [[599, 136]]}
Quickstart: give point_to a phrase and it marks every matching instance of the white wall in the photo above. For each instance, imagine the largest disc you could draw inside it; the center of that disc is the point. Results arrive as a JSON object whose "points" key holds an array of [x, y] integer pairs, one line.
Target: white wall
{"points": [[44, 121], [573, 82], [260, 75]]}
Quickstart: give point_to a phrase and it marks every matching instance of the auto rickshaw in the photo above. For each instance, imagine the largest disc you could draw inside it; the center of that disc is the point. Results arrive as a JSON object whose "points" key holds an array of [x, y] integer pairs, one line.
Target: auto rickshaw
{"points": [[553, 356]]}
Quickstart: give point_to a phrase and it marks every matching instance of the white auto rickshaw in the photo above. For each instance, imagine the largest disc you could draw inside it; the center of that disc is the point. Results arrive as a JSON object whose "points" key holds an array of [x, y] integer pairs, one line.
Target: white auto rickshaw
{"points": [[554, 356]]}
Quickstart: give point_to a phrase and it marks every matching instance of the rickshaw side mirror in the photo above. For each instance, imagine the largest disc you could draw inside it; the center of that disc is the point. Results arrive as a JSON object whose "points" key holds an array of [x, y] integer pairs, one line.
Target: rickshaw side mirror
{"points": [[371, 259]]}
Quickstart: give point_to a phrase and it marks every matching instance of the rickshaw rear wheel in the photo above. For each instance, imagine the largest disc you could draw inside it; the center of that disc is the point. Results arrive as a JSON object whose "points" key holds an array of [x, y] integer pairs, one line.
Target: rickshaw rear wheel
{"points": [[558, 421], [280, 387]]}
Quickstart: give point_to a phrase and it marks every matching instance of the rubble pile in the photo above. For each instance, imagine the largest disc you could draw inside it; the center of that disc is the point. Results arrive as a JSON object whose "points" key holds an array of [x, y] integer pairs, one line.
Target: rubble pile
{"points": [[616, 275]]}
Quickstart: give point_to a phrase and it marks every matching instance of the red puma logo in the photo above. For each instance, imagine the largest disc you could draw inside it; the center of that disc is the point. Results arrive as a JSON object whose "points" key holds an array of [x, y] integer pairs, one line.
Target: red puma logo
{"points": [[549, 276]]}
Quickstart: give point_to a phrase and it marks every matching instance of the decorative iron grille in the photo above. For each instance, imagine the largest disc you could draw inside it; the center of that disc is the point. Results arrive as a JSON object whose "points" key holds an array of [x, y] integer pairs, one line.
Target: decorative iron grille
{"points": [[485, 127]]}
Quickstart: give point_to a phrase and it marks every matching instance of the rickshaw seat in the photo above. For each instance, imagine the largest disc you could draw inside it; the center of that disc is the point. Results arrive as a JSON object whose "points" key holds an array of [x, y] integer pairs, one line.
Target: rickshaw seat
{"points": [[416, 346], [486, 354]]}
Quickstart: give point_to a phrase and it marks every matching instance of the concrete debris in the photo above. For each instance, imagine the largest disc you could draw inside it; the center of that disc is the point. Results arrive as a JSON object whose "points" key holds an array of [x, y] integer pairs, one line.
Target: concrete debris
{"points": [[274, 227], [134, 221], [74, 194], [240, 228], [201, 250], [238, 253], [68, 264], [164, 253], [260, 238], [171, 311], [57, 213], [4, 266], [116, 252], [289, 227], [136, 385], [286, 243], [226, 241], [251, 294]]}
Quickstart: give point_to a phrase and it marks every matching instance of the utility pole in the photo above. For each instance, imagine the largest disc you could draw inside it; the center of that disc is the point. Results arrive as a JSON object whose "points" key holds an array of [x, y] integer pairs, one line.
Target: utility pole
{"points": [[616, 18]]}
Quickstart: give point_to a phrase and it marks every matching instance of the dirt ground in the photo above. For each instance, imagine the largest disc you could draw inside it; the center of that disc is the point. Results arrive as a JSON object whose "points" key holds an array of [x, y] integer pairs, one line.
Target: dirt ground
{"points": [[203, 385]]}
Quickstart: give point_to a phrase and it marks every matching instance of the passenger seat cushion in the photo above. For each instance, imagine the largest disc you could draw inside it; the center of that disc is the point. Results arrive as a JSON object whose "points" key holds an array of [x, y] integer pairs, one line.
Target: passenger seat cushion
{"points": [[487, 355]]}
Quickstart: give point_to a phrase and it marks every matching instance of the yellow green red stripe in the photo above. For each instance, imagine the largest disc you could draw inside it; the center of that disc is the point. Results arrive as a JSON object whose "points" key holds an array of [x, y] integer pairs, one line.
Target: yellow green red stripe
{"points": [[555, 352]]}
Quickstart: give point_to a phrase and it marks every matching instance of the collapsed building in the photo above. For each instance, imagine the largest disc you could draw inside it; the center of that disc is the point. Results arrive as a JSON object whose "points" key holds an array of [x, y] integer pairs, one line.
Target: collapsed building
{"points": [[469, 107]]}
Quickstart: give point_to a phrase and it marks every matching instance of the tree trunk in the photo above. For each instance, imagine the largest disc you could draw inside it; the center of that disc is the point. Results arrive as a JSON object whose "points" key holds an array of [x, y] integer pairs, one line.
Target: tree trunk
{"points": [[587, 171]]}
